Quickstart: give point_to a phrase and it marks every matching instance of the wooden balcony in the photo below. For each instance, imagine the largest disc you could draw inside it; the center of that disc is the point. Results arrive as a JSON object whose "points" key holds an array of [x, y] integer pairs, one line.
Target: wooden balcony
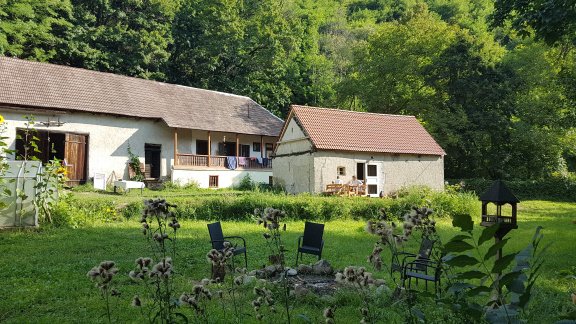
{"points": [[220, 162]]}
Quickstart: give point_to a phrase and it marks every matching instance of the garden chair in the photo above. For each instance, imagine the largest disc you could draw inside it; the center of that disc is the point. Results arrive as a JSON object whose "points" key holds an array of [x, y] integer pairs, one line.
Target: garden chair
{"points": [[311, 242], [423, 269], [217, 239], [400, 258]]}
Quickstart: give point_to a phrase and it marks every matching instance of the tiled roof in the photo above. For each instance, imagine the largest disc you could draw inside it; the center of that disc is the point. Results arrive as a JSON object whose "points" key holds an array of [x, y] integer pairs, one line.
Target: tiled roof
{"points": [[32, 84], [344, 130]]}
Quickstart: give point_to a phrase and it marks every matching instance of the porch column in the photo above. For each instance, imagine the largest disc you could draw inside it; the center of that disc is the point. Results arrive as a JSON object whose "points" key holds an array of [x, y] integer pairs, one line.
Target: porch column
{"points": [[176, 146], [209, 148], [262, 147], [237, 147]]}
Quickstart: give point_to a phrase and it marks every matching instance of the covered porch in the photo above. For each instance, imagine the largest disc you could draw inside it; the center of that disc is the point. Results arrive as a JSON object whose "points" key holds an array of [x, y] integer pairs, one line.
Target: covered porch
{"points": [[211, 150]]}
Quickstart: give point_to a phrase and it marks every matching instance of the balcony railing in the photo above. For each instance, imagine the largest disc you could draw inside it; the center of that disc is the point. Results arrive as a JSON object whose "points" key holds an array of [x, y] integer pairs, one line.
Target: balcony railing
{"points": [[193, 160]]}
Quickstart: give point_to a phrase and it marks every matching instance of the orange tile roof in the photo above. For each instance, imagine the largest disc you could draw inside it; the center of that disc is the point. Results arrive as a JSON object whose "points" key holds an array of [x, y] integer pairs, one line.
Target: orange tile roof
{"points": [[41, 85], [344, 130]]}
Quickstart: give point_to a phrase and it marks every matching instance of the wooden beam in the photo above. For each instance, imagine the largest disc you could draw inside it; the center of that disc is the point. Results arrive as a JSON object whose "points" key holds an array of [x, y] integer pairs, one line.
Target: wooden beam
{"points": [[237, 146], [176, 146], [262, 147], [209, 148]]}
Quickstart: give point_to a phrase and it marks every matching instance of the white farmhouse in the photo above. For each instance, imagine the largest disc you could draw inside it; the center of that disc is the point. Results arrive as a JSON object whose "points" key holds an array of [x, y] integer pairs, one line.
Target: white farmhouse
{"points": [[91, 118], [387, 152]]}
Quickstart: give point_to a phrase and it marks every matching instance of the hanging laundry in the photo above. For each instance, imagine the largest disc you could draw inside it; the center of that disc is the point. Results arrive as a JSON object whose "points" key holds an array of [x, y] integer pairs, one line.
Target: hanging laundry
{"points": [[231, 162]]}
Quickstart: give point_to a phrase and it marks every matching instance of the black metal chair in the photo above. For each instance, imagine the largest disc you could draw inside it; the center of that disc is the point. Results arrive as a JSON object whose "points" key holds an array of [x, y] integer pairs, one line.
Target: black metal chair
{"points": [[217, 239], [311, 242], [400, 258], [423, 269]]}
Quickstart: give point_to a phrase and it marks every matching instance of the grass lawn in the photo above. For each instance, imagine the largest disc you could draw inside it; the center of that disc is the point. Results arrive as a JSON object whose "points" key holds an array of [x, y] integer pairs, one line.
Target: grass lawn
{"points": [[43, 272]]}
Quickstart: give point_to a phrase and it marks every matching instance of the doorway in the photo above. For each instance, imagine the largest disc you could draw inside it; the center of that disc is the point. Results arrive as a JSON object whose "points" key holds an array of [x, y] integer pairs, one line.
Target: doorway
{"points": [[69, 148], [360, 171], [75, 158], [152, 160], [372, 180]]}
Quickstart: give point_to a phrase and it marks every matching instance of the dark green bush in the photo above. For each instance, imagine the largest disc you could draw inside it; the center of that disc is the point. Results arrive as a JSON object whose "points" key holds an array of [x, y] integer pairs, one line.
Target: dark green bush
{"points": [[552, 188]]}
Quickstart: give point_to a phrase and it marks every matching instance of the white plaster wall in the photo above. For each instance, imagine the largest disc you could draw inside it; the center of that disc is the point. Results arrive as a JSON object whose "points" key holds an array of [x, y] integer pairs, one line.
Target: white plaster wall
{"points": [[294, 173], [108, 138], [293, 131], [395, 171], [226, 178], [293, 140]]}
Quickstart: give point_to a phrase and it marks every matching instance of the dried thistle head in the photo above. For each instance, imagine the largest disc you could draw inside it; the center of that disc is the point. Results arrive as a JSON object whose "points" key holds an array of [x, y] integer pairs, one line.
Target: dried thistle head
{"points": [[136, 302], [329, 312], [162, 269], [103, 274]]}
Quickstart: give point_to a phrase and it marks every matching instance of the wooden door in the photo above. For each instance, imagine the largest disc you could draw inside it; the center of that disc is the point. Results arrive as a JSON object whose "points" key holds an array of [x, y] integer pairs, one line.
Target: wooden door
{"points": [[153, 160], [75, 158]]}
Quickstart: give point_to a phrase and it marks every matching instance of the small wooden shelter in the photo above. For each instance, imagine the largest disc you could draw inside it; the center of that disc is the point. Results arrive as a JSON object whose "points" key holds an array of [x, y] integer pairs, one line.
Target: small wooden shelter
{"points": [[500, 195]]}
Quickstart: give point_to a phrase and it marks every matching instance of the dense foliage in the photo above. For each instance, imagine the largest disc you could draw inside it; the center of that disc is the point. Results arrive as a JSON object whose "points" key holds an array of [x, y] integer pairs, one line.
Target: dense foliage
{"points": [[77, 211], [493, 83]]}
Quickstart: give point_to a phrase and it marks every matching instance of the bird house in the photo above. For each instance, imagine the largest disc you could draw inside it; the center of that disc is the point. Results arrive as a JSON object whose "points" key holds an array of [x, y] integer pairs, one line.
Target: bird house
{"points": [[499, 195]]}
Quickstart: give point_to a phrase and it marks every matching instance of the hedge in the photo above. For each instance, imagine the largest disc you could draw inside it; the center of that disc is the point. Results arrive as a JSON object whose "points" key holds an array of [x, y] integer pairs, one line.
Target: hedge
{"points": [[299, 207], [553, 188]]}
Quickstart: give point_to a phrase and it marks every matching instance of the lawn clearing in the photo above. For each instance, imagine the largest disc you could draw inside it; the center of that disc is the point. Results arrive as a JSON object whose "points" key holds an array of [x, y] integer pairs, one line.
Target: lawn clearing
{"points": [[43, 273]]}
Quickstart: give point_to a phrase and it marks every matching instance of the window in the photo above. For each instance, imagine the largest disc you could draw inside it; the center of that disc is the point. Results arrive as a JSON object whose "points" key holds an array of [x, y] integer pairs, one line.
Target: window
{"points": [[256, 147], [227, 148], [341, 171], [244, 150], [372, 189], [213, 181], [269, 149], [201, 147], [372, 170]]}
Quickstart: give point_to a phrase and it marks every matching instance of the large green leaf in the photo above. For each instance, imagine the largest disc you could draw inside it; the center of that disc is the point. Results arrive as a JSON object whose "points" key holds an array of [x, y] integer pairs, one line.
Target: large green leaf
{"points": [[458, 287], [503, 263], [464, 221], [494, 249], [509, 277], [462, 261], [461, 237], [480, 290], [458, 246], [474, 274], [488, 233]]}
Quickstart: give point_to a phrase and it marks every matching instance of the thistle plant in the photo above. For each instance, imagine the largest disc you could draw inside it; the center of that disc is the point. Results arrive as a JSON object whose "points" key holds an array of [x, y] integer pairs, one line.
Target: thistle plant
{"points": [[263, 303], [271, 218], [102, 276], [329, 315], [156, 220], [219, 261], [198, 299], [160, 226], [394, 235], [362, 281]]}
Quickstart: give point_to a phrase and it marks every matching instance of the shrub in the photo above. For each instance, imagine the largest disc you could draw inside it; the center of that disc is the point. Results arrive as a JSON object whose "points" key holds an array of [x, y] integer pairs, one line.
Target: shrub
{"points": [[246, 184], [552, 188]]}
